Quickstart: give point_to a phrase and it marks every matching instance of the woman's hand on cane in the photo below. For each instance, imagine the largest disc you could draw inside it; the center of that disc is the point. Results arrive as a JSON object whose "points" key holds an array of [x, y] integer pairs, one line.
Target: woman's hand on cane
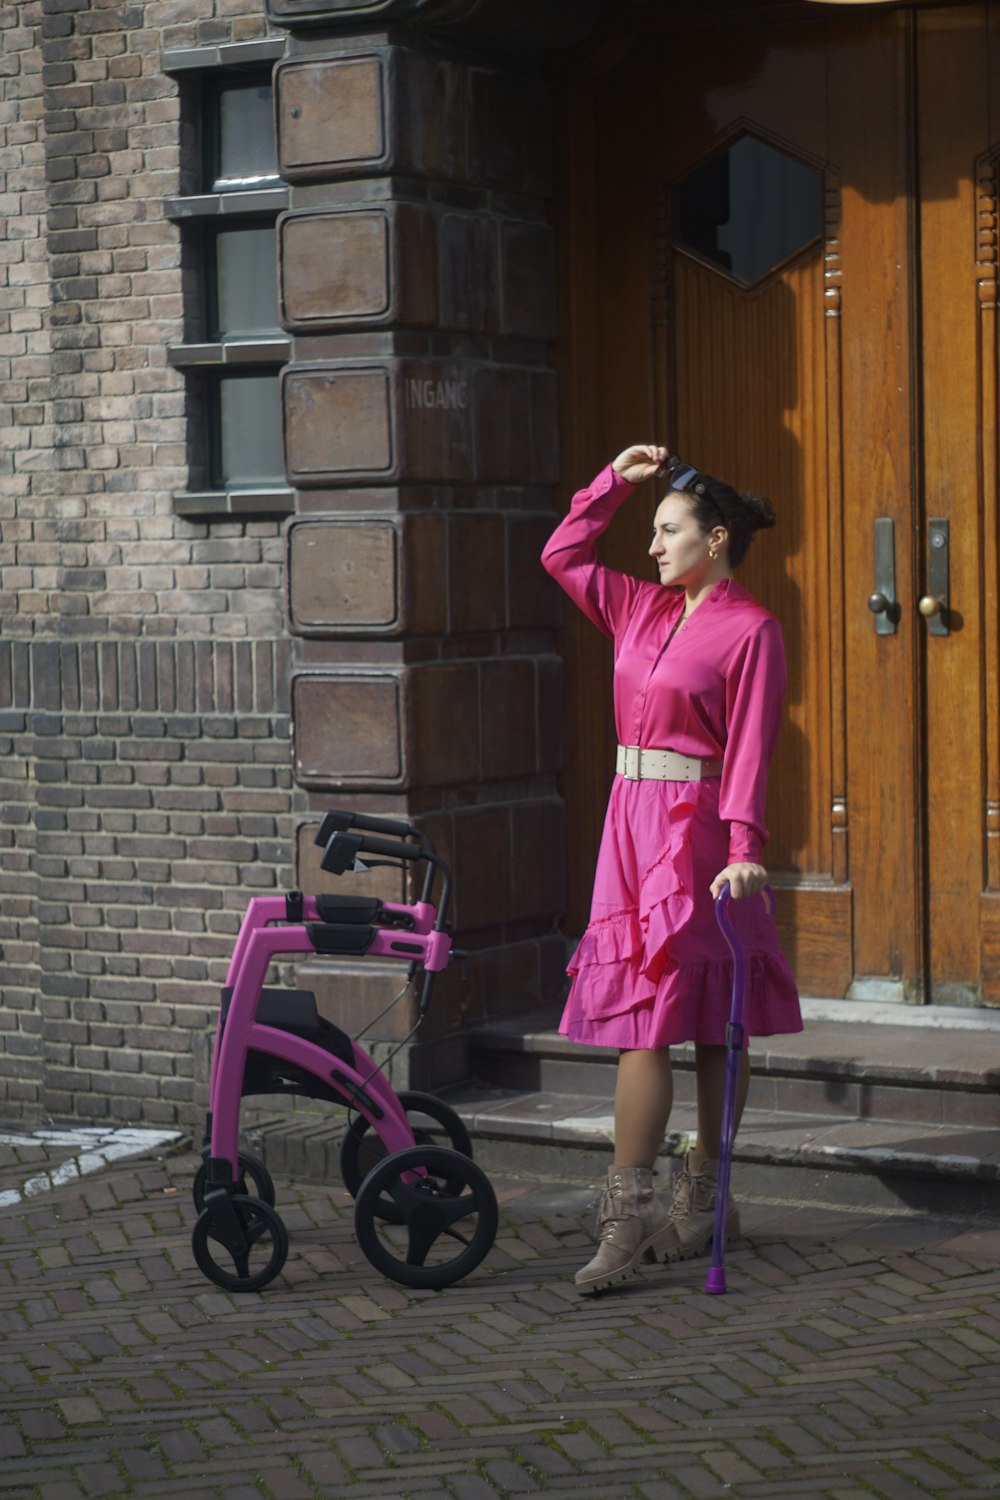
{"points": [[745, 879], [640, 462]]}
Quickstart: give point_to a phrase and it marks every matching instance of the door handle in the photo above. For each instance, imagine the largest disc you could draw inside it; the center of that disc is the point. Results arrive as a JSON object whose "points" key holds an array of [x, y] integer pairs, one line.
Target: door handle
{"points": [[882, 602], [934, 604]]}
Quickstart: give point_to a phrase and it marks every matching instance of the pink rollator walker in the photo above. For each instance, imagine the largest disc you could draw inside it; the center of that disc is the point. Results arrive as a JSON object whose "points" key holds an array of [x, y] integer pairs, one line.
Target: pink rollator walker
{"points": [[716, 1281], [424, 1214]]}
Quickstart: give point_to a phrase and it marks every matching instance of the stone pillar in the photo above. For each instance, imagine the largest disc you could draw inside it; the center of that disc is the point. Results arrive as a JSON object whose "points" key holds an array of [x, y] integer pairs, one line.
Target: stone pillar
{"points": [[420, 425]]}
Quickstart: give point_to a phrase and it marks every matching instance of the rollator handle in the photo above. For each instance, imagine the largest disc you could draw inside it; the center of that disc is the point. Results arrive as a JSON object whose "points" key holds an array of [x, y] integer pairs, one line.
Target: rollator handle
{"points": [[344, 848], [340, 822]]}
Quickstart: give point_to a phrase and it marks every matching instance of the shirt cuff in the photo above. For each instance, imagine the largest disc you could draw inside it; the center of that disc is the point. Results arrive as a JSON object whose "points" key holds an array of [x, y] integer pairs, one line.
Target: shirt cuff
{"points": [[609, 481], [744, 844]]}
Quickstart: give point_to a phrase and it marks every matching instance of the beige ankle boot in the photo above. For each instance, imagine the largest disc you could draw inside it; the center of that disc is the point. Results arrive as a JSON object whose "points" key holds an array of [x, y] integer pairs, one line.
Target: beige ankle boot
{"points": [[692, 1210], [633, 1225]]}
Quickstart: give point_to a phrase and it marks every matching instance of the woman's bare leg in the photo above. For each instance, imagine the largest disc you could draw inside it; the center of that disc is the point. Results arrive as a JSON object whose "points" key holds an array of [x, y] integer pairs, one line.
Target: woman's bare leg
{"points": [[710, 1068], [632, 1224], [644, 1094]]}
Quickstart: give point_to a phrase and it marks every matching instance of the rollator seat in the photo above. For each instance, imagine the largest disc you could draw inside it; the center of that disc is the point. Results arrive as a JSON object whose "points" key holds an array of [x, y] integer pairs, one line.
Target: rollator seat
{"points": [[295, 1011]]}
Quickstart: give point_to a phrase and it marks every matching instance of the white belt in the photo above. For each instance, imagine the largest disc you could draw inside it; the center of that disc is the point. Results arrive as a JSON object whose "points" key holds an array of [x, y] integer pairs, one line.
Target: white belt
{"points": [[637, 764]]}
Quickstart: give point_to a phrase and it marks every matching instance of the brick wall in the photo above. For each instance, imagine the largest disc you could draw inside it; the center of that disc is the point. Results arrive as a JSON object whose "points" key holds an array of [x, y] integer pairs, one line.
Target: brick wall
{"points": [[145, 787], [147, 670]]}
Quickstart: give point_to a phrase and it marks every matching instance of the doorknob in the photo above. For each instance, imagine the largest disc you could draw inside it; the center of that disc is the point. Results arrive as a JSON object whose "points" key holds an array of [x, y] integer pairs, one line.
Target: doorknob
{"points": [[934, 604], [882, 602]]}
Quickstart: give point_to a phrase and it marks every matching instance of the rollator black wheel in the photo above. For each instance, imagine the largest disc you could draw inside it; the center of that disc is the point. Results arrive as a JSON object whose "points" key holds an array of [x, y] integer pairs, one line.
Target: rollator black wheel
{"points": [[253, 1241], [362, 1147], [260, 1184], [446, 1218]]}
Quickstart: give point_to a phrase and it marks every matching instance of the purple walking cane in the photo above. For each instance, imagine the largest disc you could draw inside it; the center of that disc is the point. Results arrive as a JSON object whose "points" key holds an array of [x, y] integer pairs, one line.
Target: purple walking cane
{"points": [[716, 1281]]}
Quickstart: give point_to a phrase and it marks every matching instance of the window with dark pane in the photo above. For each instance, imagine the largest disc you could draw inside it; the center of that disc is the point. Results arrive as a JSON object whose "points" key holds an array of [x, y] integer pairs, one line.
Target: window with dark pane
{"points": [[748, 208], [246, 436], [234, 346], [239, 133], [242, 277]]}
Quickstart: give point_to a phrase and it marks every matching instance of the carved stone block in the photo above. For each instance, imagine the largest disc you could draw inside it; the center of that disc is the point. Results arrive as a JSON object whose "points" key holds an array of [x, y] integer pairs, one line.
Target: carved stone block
{"points": [[443, 724], [509, 718], [342, 575], [337, 421], [528, 280], [482, 867], [352, 266], [348, 729], [469, 271], [534, 601], [377, 108], [367, 575], [477, 570], [434, 402], [516, 431], [396, 420], [331, 115], [412, 726], [419, 421]]}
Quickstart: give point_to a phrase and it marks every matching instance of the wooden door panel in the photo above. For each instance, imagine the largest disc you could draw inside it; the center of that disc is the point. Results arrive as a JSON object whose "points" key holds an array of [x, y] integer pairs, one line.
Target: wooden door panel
{"points": [[857, 381], [956, 58], [794, 388], [869, 79], [987, 250], [760, 419], [749, 384], [746, 421]]}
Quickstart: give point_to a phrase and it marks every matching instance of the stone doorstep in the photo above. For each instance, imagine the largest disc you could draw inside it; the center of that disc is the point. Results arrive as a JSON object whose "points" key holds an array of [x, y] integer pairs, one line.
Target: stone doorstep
{"points": [[860, 1110], [941, 1070], [887, 1167], [781, 1138]]}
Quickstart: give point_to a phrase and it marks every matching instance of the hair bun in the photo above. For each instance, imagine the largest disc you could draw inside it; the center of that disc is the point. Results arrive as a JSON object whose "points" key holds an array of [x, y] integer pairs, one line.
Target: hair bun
{"points": [[759, 511]]}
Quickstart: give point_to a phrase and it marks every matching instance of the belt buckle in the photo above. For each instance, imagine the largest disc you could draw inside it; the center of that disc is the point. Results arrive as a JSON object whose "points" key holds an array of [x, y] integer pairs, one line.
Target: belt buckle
{"points": [[633, 763]]}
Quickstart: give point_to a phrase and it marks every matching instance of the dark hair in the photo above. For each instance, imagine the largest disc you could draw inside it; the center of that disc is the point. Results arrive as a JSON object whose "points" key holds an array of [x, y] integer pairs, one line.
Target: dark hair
{"points": [[715, 503]]}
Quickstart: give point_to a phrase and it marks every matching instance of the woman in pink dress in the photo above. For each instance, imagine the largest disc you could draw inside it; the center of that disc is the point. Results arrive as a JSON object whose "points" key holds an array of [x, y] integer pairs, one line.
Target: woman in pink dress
{"points": [[699, 680]]}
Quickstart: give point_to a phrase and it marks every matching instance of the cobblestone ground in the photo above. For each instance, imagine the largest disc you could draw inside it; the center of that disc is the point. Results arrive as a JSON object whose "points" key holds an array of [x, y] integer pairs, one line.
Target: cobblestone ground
{"points": [[852, 1357]]}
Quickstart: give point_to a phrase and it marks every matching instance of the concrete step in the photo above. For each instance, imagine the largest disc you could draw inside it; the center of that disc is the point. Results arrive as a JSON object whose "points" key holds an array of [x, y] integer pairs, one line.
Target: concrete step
{"points": [[925, 1071], [857, 1111]]}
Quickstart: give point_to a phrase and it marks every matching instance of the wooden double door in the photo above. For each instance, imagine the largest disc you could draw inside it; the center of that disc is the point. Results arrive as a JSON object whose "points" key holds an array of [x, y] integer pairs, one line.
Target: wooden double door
{"points": [[779, 255]]}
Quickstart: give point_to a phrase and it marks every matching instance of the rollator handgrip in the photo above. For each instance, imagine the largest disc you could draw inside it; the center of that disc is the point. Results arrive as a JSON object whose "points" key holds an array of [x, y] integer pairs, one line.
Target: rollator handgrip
{"points": [[339, 822], [390, 848], [344, 848]]}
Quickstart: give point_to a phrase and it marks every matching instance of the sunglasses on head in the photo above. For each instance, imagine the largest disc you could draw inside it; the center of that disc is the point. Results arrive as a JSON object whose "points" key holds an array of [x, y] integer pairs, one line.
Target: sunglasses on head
{"points": [[682, 476]]}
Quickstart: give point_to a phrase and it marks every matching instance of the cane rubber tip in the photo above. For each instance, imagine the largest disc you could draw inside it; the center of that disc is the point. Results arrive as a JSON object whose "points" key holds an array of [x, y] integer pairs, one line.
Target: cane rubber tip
{"points": [[716, 1282]]}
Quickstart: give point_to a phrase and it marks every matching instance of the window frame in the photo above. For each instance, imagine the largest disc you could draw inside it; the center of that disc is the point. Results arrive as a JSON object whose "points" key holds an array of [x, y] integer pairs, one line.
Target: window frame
{"points": [[204, 72]]}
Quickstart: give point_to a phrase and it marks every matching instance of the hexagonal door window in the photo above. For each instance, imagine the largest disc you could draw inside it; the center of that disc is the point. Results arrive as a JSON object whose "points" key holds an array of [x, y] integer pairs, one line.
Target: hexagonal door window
{"points": [[748, 208]]}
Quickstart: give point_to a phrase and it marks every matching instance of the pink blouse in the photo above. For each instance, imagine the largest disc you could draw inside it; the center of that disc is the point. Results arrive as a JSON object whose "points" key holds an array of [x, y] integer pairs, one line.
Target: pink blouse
{"points": [[715, 690]]}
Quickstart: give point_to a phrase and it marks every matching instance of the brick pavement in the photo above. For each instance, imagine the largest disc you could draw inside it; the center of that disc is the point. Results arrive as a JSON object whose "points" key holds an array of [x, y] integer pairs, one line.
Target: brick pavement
{"points": [[853, 1357]]}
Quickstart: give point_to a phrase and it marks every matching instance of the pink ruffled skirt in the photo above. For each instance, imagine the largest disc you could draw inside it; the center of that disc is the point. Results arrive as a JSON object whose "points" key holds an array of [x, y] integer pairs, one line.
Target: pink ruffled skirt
{"points": [[652, 968]]}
